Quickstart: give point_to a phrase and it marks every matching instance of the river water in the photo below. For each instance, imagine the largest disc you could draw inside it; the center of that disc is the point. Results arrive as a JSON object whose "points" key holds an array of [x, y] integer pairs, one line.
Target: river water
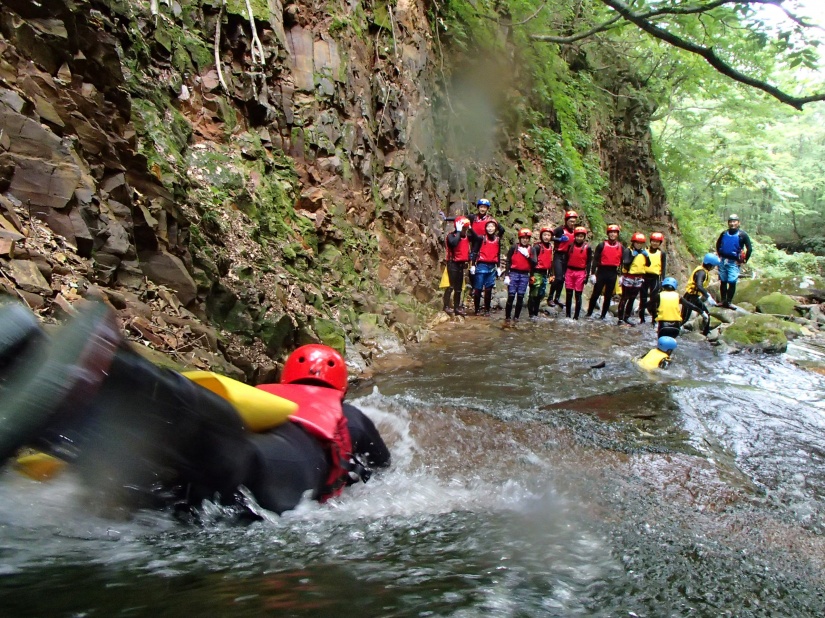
{"points": [[525, 483]]}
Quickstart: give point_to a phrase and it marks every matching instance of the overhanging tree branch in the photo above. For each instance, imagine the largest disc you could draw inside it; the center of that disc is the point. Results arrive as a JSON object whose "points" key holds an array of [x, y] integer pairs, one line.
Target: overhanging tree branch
{"points": [[710, 55]]}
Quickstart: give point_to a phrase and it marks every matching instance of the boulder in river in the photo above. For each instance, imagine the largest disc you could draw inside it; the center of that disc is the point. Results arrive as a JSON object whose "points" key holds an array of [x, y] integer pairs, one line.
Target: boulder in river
{"points": [[760, 333]]}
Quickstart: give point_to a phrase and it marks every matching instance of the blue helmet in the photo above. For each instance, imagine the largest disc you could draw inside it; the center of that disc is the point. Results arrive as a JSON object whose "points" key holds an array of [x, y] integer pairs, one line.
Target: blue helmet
{"points": [[483, 202], [670, 282], [666, 344], [711, 259]]}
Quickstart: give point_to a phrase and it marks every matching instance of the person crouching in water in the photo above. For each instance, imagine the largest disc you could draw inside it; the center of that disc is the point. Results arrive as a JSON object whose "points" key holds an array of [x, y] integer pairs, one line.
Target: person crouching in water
{"points": [[579, 260], [696, 293], [543, 255], [607, 259], [658, 357], [458, 254], [487, 249], [649, 294], [671, 305], [520, 265], [635, 261]]}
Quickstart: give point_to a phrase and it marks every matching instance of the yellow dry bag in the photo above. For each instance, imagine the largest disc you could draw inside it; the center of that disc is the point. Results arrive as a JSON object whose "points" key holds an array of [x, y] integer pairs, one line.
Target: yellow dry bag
{"points": [[445, 279], [39, 466]]}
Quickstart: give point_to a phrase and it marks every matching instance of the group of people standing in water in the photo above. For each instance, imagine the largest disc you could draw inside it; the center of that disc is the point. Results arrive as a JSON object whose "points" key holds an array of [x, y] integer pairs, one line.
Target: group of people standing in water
{"points": [[561, 259]]}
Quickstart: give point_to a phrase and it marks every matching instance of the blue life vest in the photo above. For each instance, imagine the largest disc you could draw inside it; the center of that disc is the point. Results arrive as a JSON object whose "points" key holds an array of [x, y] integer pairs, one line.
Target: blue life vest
{"points": [[730, 246]]}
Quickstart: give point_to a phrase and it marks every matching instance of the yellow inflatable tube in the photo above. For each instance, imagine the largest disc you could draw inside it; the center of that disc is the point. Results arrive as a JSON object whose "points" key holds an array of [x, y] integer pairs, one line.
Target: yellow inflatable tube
{"points": [[39, 466], [259, 410]]}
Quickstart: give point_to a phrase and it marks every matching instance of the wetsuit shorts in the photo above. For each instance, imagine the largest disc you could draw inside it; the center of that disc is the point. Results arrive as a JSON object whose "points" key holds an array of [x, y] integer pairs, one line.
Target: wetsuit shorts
{"points": [[485, 277], [728, 271], [574, 279], [518, 282]]}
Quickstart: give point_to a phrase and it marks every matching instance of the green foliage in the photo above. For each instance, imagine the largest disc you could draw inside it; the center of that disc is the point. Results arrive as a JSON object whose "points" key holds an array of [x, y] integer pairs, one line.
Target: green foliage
{"points": [[768, 261]]}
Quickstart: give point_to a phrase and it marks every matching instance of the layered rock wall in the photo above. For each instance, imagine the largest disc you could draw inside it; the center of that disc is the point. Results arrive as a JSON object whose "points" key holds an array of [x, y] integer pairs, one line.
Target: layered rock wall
{"points": [[287, 194]]}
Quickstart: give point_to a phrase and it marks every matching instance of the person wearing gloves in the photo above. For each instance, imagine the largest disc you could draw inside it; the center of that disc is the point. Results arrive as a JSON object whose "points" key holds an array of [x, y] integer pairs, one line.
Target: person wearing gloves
{"points": [[517, 273], [658, 357], [543, 255], [562, 238], [579, 261], [696, 293], [734, 248], [483, 271], [635, 261], [608, 259], [458, 255], [653, 275]]}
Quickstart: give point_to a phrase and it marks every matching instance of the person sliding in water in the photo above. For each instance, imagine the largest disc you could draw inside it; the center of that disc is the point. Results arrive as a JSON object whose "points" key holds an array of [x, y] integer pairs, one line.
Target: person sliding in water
{"points": [[458, 254], [634, 262], [696, 294], [519, 268], [649, 294], [579, 260], [151, 437], [607, 259], [543, 255], [571, 219], [487, 249], [658, 357]]}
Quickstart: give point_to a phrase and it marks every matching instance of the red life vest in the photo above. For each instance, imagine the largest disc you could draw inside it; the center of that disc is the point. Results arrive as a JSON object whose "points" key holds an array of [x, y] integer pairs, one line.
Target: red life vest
{"points": [[479, 223], [611, 254], [321, 415], [519, 262], [461, 253], [490, 250], [577, 256], [562, 246], [545, 256]]}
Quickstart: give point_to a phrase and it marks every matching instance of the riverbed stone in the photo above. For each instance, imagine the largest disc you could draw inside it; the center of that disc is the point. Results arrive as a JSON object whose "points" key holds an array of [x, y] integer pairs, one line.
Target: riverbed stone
{"points": [[28, 277], [776, 304], [761, 333]]}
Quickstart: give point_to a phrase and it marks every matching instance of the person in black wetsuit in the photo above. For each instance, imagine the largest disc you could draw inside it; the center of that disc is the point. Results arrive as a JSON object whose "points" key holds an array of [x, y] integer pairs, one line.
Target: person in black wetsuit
{"points": [[696, 293], [571, 220], [607, 259], [153, 438], [734, 249]]}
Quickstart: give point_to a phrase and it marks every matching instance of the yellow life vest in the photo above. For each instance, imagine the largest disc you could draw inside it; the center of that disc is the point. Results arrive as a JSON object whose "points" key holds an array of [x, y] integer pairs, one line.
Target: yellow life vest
{"points": [[691, 284], [655, 267], [652, 360], [638, 266], [669, 308]]}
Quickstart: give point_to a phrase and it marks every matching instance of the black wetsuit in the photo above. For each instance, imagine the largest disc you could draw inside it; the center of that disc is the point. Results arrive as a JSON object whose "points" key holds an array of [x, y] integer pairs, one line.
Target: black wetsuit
{"points": [[559, 263], [605, 282], [150, 437], [696, 302]]}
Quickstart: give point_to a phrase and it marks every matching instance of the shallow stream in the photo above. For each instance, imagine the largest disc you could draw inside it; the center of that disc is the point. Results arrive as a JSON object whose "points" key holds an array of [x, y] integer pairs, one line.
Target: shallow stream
{"points": [[525, 483]]}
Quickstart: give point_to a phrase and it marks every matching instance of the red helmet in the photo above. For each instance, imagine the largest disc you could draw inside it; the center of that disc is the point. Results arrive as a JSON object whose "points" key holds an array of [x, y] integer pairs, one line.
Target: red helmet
{"points": [[657, 236], [613, 228], [316, 364], [489, 221], [580, 230], [464, 221], [525, 233], [570, 214], [545, 229], [638, 237]]}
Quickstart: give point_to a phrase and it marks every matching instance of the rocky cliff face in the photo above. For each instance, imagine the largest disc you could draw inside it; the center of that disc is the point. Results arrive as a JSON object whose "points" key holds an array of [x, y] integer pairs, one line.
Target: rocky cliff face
{"points": [[286, 193]]}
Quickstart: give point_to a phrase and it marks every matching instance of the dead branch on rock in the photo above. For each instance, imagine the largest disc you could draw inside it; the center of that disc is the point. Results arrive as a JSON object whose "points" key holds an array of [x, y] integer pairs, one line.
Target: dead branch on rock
{"points": [[218, 47], [257, 47]]}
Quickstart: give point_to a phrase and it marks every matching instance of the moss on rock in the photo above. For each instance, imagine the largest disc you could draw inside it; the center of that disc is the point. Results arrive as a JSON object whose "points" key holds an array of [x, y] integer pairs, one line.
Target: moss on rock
{"points": [[776, 304], [759, 333]]}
